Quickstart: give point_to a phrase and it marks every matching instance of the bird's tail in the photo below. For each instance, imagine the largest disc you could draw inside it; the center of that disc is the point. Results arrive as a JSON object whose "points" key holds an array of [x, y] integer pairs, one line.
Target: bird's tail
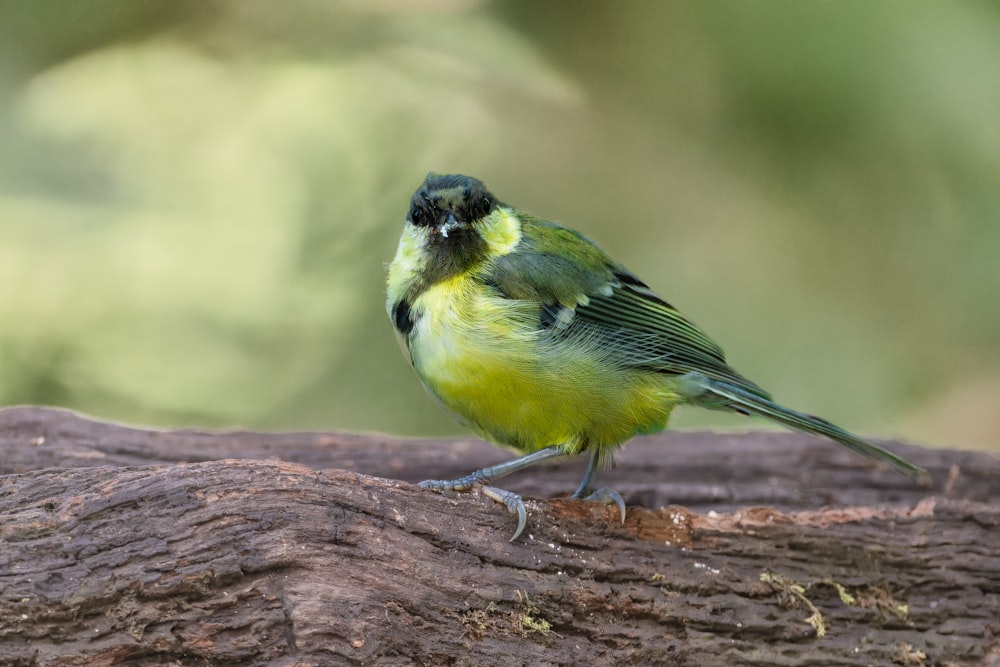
{"points": [[742, 400]]}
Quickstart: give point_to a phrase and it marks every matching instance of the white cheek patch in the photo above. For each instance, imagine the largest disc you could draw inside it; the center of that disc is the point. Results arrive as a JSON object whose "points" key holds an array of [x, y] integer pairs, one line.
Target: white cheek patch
{"points": [[411, 253], [502, 231]]}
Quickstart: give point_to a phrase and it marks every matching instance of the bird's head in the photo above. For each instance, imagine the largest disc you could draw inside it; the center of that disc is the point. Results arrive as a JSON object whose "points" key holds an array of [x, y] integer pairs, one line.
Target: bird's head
{"points": [[449, 206], [454, 224]]}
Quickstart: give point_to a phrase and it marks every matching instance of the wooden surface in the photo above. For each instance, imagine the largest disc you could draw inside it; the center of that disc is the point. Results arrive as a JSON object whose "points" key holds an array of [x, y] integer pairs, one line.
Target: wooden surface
{"points": [[130, 546]]}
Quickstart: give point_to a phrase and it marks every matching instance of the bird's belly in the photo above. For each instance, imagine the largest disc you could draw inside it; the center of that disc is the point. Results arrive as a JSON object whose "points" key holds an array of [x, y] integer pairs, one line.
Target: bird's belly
{"points": [[496, 371]]}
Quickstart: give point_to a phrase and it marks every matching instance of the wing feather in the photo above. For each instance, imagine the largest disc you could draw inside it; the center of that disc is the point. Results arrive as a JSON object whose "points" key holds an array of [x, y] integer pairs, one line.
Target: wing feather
{"points": [[586, 298], [656, 336]]}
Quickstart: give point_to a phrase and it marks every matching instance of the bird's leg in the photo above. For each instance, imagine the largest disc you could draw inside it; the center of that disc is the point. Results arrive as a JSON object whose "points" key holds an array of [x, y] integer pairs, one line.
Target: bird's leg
{"points": [[483, 478], [601, 495], [583, 490]]}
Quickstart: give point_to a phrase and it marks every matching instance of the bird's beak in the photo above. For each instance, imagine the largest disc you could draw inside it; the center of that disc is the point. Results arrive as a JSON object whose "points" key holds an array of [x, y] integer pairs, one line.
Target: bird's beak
{"points": [[450, 224]]}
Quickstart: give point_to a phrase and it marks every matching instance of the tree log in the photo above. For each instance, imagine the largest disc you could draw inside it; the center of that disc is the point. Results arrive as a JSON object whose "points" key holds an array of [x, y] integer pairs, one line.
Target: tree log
{"points": [[127, 546]]}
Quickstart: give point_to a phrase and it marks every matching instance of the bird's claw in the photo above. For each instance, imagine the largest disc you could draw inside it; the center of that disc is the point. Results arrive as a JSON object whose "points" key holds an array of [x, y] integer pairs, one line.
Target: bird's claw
{"points": [[509, 499], [513, 503], [607, 496]]}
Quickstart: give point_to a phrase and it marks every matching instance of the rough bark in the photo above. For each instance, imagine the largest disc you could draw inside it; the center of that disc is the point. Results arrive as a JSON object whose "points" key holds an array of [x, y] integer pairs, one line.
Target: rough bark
{"points": [[121, 545]]}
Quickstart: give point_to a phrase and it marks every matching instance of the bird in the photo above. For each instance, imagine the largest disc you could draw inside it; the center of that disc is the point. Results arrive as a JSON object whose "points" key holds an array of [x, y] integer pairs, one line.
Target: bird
{"points": [[534, 337]]}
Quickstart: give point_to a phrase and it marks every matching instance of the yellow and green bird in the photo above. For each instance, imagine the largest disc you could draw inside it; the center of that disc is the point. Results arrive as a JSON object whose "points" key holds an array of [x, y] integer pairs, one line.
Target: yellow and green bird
{"points": [[534, 337]]}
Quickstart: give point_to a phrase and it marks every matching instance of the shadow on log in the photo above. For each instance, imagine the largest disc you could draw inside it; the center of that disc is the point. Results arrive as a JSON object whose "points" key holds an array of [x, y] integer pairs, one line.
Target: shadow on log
{"points": [[129, 546]]}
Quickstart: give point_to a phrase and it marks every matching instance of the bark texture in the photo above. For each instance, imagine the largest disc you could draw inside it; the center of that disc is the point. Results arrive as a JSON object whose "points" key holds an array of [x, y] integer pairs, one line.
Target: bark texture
{"points": [[129, 546]]}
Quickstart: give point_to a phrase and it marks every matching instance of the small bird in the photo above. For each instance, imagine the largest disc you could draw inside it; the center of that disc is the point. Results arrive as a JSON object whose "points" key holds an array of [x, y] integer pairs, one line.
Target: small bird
{"points": [[535, 338]]}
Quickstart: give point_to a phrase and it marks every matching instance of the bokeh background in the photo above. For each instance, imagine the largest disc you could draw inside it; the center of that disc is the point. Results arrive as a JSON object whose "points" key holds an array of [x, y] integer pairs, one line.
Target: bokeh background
{"points": [[198, 197]]}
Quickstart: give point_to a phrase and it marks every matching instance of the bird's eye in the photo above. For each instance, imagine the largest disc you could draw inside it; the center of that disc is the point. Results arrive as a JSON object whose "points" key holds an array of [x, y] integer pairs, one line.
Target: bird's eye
{"points": [[487, 204], [415, 215]]}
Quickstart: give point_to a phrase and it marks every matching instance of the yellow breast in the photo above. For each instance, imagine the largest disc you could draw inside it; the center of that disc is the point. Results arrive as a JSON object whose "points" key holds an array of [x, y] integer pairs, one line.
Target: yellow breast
{"points": [[488, 360]]}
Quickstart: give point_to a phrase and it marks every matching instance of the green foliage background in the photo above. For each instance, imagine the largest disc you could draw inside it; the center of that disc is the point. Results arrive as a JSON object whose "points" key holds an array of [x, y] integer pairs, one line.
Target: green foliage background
{"points": [[197, 198]]}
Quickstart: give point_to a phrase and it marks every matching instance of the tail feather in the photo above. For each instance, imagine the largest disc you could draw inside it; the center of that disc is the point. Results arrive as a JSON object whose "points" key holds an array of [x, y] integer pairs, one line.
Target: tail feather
{"points": [[745, 401]]}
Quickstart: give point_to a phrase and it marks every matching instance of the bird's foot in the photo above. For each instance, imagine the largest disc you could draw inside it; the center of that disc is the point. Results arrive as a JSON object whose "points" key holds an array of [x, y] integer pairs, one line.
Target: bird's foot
{"points": [[510, 500], [603, 495], [466, 483]]}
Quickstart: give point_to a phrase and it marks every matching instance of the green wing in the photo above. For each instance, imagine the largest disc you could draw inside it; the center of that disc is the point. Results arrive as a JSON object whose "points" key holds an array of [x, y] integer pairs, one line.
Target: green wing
{"points": [[586, 297]]}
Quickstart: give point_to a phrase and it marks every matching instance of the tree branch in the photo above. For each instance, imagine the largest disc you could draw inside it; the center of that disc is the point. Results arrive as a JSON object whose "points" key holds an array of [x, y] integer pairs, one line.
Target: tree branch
{"points": [[157, 547]]}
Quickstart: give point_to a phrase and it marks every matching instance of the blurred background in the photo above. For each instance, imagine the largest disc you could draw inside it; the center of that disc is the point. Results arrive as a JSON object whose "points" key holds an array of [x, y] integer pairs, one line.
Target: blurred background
{"points": [[198, 197]]}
